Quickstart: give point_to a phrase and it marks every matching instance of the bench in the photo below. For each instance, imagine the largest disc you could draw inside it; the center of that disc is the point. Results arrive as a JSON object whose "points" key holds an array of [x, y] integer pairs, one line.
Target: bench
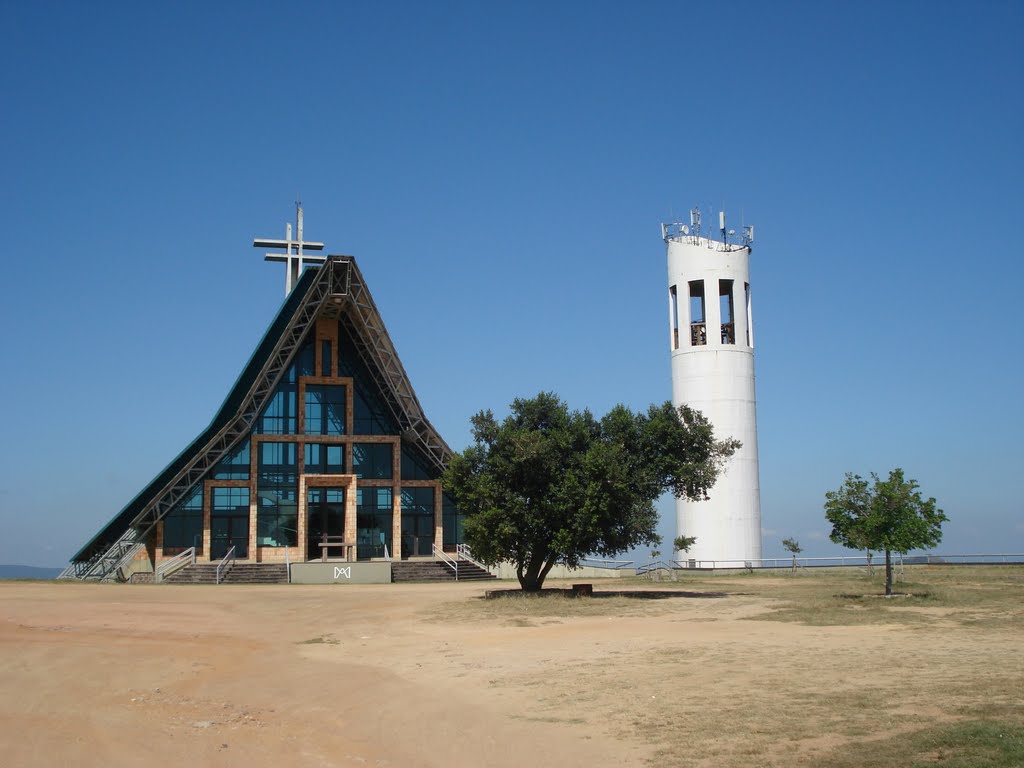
{"points": [[334, 542]]}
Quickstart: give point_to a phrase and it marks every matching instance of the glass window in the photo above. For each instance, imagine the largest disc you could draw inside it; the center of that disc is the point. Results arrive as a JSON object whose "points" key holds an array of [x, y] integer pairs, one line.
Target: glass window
{"points": [[325, 409], [234, 465], [230, 501], [277, 487], [372, 460], [183, 525], [414, 466], [324, 459], [325, 358], [373, 522], [279, 417], [417, 521], [370, 417], [305, 361]]}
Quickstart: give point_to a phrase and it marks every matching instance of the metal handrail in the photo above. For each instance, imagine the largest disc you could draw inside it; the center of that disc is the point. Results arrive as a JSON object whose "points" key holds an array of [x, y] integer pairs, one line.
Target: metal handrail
{"points": [[226, 563], [655, 565], [175, 564], [446, 559], [600, 562], [463, 551]]}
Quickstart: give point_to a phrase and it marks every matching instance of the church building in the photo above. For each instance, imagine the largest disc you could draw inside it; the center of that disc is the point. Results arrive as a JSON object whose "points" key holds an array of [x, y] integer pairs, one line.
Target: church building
{"points": [[321, 451]]}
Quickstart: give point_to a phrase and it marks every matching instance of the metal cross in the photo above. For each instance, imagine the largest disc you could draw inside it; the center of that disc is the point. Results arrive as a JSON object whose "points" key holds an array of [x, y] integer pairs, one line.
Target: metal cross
{"points": [[294, 256]]}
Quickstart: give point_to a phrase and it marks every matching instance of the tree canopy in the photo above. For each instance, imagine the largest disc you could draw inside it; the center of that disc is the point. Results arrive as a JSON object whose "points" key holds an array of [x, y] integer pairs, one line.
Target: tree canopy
{"points": [[550, 485], [792, 546], [889, 515]]}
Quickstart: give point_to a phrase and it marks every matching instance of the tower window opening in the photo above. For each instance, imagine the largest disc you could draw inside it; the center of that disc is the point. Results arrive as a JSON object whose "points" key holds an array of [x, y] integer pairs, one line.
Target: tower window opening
{"points": [[746, 296], [725, 304], [698, 327], [673, 304]]}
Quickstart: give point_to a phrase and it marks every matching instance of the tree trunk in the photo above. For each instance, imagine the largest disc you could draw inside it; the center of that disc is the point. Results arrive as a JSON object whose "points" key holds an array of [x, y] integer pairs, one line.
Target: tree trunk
{"points": [[532, 573], [888, 572]]}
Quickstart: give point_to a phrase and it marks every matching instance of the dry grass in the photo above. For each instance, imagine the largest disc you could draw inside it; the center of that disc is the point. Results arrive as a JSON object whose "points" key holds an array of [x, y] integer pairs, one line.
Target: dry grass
{"points": [[931, 678]]}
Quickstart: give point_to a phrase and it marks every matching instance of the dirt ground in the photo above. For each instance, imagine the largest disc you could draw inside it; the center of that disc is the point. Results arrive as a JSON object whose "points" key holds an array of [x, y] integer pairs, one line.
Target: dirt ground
{"points": [[431, 675]]}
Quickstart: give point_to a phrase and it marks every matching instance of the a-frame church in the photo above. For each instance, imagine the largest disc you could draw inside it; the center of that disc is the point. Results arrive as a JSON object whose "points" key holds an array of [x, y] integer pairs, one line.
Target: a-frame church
{"points": [[321, 452]]}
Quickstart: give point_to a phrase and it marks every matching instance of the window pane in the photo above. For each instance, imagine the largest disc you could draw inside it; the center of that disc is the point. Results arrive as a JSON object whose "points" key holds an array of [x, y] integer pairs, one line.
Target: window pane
{"points": [[414, 466], [324, 459], [417, 521], [277, 495], [235, 465], [183, 525], [373, 522], [372, 460], [325, 358], [325, 409]]}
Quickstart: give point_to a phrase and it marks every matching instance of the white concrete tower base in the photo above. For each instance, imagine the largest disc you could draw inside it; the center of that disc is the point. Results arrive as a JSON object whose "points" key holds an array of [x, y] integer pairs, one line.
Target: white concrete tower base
{"points": [[713, 372]]}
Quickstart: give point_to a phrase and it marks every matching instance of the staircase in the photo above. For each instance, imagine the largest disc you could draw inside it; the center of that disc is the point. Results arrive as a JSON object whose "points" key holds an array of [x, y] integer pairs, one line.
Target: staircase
{"points": [[239, 573], [433, 570]]}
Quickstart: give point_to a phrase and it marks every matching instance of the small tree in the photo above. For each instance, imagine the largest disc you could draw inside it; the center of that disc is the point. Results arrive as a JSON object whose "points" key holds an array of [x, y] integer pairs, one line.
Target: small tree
{"points": [[888, 515], [547, 485], [683, 543], [792, 546]]}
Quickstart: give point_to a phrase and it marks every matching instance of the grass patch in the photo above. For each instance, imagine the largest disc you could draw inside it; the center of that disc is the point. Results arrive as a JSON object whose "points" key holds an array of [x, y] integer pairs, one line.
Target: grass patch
{"points": [[987, 597], [322, 640], [972, 744], [514, 607]]}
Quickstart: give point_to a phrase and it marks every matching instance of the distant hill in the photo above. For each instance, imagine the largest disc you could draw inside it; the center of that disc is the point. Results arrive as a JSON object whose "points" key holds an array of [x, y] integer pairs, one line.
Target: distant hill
{"points": [[28, 572]]}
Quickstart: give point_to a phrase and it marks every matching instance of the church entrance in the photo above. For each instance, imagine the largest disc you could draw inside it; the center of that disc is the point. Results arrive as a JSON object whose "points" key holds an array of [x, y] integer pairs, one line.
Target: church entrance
{"points": [[326, 523], [229, 522]]}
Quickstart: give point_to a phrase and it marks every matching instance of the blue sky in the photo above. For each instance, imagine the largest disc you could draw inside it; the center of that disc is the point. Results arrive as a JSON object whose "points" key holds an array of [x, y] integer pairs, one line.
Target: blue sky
{"points": [[500, 170]]}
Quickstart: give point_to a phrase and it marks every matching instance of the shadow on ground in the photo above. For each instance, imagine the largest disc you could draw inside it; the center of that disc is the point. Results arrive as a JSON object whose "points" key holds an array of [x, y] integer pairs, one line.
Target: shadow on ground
{"points": [[632, 594]]}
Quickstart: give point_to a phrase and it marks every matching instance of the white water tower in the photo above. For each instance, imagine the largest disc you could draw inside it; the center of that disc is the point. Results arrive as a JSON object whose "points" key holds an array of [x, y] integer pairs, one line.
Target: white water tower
{"points": [[711, 337]]}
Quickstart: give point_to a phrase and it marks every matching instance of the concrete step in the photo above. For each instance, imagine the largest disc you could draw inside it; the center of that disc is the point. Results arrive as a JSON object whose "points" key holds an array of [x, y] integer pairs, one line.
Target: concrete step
{"points": [[435, 570], [239, 573]]}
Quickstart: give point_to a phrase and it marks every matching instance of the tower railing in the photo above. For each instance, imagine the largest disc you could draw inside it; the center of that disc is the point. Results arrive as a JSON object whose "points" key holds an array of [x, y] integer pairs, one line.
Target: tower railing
{"points": [[698, 334]]}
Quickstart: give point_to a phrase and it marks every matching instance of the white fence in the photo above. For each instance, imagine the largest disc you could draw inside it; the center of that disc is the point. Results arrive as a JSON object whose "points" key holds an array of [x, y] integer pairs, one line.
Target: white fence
{"points": [[877, 559]]}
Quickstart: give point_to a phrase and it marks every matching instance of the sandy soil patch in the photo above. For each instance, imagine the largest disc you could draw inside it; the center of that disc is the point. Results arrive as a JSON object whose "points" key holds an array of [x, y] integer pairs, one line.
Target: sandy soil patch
{"points": [[431, 675]]}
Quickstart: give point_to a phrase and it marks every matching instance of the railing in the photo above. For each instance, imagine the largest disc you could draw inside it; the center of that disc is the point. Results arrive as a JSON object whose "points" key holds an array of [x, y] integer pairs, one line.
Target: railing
{"points": [[288, 564], [877, 559], [463, 552], [225, 564], [698, 335], [655, 565], [446, 559], [600, 562], [175, 564]]}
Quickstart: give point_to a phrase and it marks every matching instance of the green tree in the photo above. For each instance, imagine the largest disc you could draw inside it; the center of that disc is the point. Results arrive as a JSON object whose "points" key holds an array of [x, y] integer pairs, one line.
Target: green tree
{"points": [[792, 546], [889, 515], [547, 485], [683, 543]]}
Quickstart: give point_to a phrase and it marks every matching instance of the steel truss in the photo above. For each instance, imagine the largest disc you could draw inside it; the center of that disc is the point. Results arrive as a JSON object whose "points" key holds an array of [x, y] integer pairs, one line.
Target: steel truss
{"points": [[378, 352]]}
